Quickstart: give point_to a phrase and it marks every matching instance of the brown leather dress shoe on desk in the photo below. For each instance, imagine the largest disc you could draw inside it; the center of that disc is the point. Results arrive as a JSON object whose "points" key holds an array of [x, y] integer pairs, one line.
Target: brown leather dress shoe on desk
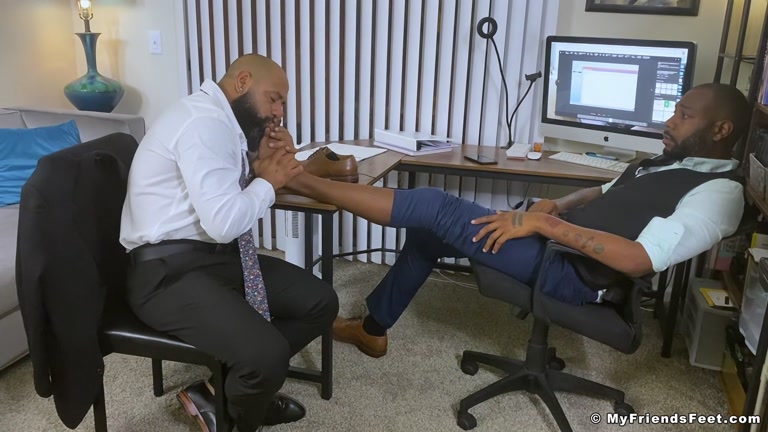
{"points": [[325, 163], [350, 330]]}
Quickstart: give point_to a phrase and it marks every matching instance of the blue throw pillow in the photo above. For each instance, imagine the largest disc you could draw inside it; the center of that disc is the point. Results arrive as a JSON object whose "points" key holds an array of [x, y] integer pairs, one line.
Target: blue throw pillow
{"points": [[20, 149]]}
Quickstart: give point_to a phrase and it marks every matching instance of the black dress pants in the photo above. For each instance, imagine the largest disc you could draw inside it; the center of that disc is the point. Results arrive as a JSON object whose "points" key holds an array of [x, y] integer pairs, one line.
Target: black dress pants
{"points": [[198, 297]]}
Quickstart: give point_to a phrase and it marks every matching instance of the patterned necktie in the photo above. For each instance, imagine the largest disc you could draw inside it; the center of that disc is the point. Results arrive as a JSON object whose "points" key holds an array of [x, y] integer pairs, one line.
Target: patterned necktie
{"points": [[255, 292]]}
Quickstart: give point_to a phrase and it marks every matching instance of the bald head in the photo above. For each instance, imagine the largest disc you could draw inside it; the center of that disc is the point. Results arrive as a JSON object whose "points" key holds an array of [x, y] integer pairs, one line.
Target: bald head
{"points": [[255, 64], [254, 71], [256, 88]]}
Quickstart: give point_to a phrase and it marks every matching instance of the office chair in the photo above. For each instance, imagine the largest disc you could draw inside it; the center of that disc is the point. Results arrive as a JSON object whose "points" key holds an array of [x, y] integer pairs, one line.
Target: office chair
{"points": [[123, 333], [667, 315], [617, 326]]}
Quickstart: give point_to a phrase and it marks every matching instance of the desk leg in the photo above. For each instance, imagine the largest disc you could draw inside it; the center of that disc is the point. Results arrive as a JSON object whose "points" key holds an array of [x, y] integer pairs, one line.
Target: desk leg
{"points": [[309, 244], [411, 180], [326, 266]]}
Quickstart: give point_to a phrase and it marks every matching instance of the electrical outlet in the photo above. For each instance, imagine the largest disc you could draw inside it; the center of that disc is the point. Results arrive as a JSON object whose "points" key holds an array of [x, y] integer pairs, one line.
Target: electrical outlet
{"points": [[155, 42]]}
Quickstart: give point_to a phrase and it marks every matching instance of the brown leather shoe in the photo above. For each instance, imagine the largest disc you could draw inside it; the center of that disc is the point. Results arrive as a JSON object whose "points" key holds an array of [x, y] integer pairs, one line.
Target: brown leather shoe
{"points": [[325, 163], [350, 330]]}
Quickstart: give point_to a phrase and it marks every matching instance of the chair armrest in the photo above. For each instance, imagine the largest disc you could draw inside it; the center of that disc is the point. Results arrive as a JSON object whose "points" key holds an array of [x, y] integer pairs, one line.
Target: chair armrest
{"points": [[638, 285]]}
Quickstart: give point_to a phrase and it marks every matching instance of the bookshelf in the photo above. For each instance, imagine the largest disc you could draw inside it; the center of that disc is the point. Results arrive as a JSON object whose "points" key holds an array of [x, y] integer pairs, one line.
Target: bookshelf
{"points": [[732, 287], [757, 95], [738, 51]]}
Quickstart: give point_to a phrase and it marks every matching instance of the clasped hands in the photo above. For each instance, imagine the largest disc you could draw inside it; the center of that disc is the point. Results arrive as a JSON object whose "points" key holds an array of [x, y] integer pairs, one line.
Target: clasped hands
{"points": [[276, 162], [504, 226]]}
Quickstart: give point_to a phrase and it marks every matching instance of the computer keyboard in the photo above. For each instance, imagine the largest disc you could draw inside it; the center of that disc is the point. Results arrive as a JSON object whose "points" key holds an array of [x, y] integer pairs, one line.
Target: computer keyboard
{"points": [[594, 162]]}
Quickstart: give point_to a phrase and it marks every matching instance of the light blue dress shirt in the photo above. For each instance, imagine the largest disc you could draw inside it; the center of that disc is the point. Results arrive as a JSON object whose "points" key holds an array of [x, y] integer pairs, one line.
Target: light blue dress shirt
{"points": [[703, 217]]}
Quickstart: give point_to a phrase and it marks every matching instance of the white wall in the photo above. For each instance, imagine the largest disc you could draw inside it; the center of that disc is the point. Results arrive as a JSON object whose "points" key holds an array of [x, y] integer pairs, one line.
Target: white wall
{"points": [[152, 82], [704, 29], [37, 53]]}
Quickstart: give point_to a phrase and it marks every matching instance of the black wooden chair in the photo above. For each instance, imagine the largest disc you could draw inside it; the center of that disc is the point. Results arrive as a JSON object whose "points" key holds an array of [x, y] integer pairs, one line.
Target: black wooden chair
{"points": [[121, 331]]}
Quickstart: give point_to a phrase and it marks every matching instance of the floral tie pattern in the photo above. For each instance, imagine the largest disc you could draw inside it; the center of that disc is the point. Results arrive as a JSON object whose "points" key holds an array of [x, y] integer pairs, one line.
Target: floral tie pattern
{"points": [[255, 292]]}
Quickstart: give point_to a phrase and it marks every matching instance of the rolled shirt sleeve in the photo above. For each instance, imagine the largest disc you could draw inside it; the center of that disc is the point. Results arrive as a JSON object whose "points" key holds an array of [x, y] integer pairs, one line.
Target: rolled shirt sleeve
{"points": [[703, 217]]}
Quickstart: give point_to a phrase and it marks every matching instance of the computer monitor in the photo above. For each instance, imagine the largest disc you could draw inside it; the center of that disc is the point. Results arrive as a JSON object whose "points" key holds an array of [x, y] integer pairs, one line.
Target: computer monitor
{"points": [[614, 92]]}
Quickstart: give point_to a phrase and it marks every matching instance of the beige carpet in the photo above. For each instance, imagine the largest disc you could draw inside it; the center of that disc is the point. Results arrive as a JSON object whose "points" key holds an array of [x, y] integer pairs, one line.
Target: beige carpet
{"points": [[417, 386]]}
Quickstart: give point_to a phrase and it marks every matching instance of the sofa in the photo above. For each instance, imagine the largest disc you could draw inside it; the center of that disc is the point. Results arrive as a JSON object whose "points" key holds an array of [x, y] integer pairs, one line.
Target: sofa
{"points": [[91, 125]]}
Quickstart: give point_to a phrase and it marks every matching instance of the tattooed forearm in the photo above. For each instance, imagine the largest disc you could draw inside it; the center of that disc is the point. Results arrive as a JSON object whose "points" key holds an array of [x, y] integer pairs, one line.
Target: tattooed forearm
{"points": [[584, 243], [619, 253], [553, 222], [517, 219]]}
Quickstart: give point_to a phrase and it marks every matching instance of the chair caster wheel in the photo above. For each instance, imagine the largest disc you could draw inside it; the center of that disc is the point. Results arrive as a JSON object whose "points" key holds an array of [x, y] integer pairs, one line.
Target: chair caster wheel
{"points": [[623, 408], [556, 364], [466, 421], [553, 361], [469, 367]]}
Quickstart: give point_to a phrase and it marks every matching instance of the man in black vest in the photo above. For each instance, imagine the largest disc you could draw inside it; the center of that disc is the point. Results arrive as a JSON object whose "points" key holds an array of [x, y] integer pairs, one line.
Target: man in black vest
{"points": [[659, 212]]}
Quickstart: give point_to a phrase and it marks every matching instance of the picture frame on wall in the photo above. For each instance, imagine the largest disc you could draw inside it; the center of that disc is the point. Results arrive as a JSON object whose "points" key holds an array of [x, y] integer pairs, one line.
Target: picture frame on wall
{"points": [[655, 7]]}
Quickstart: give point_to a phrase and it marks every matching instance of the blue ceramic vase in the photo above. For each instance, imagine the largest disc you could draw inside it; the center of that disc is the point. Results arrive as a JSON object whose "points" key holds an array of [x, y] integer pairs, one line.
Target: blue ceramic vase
{"points": [[93, 91]]}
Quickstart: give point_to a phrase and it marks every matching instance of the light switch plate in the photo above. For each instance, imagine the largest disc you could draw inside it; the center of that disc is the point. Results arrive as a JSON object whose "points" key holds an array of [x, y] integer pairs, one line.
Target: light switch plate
{"points": [[155, 42]]}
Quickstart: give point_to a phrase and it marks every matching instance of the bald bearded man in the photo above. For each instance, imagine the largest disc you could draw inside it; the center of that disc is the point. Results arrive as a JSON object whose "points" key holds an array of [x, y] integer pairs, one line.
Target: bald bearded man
{"points": [[196, 188]]}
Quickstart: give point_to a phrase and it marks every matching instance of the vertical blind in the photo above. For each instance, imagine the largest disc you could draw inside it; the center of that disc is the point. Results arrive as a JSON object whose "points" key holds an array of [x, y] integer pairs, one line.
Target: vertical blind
{"points": [[359, 65]]}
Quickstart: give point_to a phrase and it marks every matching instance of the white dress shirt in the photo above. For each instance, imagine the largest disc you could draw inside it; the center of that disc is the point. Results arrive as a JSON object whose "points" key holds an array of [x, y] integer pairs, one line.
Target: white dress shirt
{"points": [[184, 179], [703, 217]]}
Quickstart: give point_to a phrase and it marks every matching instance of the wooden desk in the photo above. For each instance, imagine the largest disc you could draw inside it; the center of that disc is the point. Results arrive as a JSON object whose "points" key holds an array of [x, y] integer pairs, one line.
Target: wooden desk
{"points": [[374, 168], [544, 170]]}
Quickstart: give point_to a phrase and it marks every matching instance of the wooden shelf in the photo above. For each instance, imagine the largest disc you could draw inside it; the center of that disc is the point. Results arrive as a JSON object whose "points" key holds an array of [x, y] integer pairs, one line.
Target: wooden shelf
{"points": [[745, 58], [762, 108], [757, 200], [730, 285]]}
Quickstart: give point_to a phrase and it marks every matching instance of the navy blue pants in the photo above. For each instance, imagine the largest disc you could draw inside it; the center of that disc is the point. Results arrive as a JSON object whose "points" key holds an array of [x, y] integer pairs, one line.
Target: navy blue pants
{"points": [[438, 225]]}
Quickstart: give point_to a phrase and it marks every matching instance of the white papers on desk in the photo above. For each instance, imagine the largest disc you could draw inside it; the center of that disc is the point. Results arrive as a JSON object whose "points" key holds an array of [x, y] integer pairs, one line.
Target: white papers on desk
{"points": [[360, 153]]}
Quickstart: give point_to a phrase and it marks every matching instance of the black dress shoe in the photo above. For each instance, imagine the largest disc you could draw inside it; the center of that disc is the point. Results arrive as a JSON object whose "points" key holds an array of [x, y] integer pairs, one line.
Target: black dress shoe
{"points": [[198, 401], [284, 409]]}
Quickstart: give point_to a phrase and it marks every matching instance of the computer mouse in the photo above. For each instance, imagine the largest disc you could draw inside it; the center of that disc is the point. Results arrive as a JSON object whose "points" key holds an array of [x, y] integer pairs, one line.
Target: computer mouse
{"points": [[534, 155]]}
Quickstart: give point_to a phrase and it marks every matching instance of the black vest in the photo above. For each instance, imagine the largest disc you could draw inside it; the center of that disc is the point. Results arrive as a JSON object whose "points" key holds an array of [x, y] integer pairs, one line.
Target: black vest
{"points": [[628, 207]]}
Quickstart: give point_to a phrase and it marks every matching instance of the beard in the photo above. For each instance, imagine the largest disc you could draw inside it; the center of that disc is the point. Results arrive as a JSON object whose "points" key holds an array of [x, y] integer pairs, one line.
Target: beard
{"points": [[689, 146], [252, 124]]}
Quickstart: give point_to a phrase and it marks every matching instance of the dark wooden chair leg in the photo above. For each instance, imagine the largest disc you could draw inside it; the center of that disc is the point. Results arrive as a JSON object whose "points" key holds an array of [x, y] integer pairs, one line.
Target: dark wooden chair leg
{"points": [[326, 382], [658, 309], [223, 422], [100, 410], [157, 377]]}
